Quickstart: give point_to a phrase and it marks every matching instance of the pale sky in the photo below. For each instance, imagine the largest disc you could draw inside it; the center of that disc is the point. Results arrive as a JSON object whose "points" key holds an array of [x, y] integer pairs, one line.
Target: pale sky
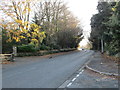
{"points": [[83, 9]]}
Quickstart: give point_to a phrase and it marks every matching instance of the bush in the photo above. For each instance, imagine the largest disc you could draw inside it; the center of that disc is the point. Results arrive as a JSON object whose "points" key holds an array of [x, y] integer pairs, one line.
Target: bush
{"points": [[26, 48], [44, 47], [53, 46], [56, 47]]}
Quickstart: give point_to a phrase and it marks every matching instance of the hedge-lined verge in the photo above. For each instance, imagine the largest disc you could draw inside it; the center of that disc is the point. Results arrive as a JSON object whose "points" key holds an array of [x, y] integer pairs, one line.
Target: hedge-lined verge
{"points": [[41, 53]]}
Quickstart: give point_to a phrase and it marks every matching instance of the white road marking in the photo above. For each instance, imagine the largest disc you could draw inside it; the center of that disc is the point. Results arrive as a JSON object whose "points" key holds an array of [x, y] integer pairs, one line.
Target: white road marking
{"points": [[81, 72], [78, 75], [73, 79], [69, 84]]}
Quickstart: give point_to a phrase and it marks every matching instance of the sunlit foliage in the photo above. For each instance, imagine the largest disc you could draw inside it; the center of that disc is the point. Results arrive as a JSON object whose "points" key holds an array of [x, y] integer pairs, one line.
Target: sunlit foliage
{"points": [[19, 27]]}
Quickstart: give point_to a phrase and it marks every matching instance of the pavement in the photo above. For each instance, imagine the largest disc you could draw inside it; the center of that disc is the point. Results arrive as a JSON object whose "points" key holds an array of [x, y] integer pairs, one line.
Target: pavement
{"points": [[103, 65], [99, 72]]}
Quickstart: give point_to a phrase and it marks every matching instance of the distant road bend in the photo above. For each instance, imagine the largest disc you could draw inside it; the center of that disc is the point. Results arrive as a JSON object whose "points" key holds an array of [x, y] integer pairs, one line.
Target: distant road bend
{"points": [[44, 72]]}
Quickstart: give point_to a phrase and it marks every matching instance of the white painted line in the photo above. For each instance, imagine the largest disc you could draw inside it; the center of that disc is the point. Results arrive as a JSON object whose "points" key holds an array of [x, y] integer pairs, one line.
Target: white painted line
{"points": [[73, 79], [65, 84], [69, 84], [81, 72], [78, 75]]}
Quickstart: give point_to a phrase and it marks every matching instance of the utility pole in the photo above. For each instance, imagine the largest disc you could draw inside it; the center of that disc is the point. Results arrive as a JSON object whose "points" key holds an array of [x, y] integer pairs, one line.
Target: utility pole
{"points": [[98, 44], [102, 47]]}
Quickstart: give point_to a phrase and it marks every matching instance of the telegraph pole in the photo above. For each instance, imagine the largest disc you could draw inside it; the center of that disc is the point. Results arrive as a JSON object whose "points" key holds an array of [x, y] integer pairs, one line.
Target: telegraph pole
{"points": [[102, 47]]}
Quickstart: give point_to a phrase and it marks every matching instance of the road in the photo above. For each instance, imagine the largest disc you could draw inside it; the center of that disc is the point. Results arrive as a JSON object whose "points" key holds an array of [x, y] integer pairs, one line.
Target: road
{"points": [[44, 72]]}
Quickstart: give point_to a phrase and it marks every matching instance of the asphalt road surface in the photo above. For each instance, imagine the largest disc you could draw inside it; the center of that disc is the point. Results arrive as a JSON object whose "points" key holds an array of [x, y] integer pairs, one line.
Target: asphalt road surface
{"points": [[44, 72]]}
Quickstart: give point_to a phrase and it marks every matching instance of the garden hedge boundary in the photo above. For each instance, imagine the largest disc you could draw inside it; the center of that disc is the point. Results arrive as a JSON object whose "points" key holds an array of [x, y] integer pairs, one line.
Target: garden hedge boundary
{"points": [[44, 52]]}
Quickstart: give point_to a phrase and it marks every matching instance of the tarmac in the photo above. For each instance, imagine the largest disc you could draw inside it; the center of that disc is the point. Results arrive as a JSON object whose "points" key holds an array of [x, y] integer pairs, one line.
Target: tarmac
{"points": [[99, 72]]}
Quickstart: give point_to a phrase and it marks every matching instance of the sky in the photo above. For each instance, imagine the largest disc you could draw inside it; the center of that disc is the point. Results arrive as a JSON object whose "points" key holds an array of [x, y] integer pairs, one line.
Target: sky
{"points": [[83, 9]]}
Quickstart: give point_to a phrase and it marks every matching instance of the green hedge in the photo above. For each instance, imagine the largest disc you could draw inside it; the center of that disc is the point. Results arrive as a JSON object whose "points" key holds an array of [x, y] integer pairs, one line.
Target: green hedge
{"points": [[44, 47], [41, 53], [26, 48]]}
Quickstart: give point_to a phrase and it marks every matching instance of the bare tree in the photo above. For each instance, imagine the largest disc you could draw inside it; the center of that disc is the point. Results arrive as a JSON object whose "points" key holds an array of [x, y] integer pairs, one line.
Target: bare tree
{"points": [[54, 17]]}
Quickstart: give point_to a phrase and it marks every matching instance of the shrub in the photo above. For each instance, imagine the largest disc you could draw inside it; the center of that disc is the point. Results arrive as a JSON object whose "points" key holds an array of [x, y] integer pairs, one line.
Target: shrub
{"points": [[44, 47], [53, 46], [56, 47], [26, 48]]}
